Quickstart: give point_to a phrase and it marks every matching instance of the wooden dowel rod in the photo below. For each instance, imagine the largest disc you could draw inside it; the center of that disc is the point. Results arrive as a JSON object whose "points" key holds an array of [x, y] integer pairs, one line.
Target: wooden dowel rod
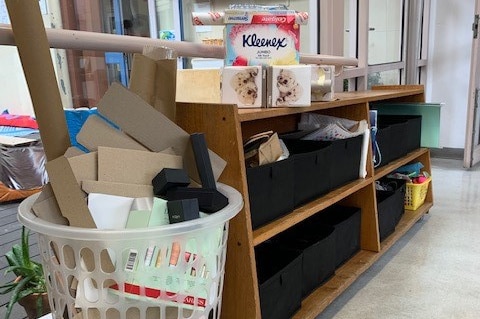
{"points": [[84, 40]]}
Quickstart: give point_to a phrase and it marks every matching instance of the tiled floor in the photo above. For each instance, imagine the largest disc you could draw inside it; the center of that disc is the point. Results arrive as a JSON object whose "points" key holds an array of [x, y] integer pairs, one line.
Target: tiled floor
{"points": [[432, 272]]}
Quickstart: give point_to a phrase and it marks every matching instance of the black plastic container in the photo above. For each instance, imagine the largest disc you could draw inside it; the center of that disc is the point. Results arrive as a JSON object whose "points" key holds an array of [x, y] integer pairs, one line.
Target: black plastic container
{"points": [[316, 243], [270, 190], [345, 165], [390, 206], [312, 160], [279, 273], [346, 221]]}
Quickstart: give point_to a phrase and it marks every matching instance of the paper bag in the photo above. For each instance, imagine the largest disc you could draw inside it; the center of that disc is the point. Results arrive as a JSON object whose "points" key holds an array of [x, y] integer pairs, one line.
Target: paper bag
{"points": [[269, 151]]}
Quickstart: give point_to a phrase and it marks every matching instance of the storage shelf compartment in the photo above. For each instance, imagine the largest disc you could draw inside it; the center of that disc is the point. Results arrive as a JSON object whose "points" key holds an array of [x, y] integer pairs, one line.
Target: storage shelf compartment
{"points": [[344, 276], [387, 169], [297, 215]]}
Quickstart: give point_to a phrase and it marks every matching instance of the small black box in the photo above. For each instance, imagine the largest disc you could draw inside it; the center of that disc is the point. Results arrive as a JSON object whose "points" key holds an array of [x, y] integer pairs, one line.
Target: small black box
{"points": [[270, 191], [345, 164], [168, 178], [183, 210], [346, 221], [390, 205], [279, 274], [311, 160], [202, 159], [316, 243], [209, 200]]}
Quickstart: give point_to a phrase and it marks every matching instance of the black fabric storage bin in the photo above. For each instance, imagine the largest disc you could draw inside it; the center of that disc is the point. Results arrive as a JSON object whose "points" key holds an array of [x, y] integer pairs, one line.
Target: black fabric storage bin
{"points": [[390, 206], [270, 191], [383, 144], [316, 242], [394, 145], [398, 135], [413, 130], [279, 273], [311, 160], [345, 165], [346, 221]]}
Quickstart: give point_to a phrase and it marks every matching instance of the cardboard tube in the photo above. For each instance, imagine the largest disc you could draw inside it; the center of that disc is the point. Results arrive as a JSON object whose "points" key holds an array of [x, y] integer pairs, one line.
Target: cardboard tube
{"points": [[34, 51]]}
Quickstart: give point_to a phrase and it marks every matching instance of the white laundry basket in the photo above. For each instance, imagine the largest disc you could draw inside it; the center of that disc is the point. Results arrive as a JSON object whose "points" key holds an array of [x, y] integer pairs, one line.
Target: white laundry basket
{"points": [[173, 271]]}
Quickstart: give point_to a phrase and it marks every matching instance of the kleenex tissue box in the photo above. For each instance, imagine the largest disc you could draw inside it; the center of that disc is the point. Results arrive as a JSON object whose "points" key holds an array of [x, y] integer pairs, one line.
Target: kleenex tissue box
{"points": [[264, 38], [243, 86], [289, 85]]}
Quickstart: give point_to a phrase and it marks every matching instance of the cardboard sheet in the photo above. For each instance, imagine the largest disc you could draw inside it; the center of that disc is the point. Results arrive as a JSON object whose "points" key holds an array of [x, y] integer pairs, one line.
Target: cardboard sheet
{"points": [[84, 166], [96, 132], [73, 151], [46, 207], [119, 189], [15, 141], [131, 166]]}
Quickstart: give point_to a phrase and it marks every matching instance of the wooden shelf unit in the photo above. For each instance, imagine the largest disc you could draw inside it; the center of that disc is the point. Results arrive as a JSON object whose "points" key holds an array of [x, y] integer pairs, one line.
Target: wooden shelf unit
{"points": [[226, 127]]}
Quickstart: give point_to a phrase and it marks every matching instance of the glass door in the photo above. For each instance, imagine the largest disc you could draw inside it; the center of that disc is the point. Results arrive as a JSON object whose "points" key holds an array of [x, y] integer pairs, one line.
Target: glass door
{"points": [[123, 17], [472, 140]]}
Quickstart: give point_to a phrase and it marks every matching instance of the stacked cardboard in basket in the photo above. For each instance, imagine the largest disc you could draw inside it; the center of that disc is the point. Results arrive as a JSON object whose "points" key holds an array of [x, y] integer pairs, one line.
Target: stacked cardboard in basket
{"points": [[121, 161]]}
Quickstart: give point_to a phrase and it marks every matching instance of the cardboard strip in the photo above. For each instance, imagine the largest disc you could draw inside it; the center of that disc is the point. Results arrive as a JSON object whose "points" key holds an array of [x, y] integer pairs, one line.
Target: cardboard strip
{"points": [[96, 132], [119, 189], [68, 193], [34, 51], [156, 131]]}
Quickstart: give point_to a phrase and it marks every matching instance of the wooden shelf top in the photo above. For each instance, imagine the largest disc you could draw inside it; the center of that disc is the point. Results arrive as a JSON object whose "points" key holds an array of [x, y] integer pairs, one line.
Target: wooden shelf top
{"points": [[281, 224], [319, 299], [343, 99]]}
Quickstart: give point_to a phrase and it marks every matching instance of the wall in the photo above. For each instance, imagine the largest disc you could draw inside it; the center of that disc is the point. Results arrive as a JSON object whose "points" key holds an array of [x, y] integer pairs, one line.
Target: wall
{"points": [[449, 66], [14, 93]]}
